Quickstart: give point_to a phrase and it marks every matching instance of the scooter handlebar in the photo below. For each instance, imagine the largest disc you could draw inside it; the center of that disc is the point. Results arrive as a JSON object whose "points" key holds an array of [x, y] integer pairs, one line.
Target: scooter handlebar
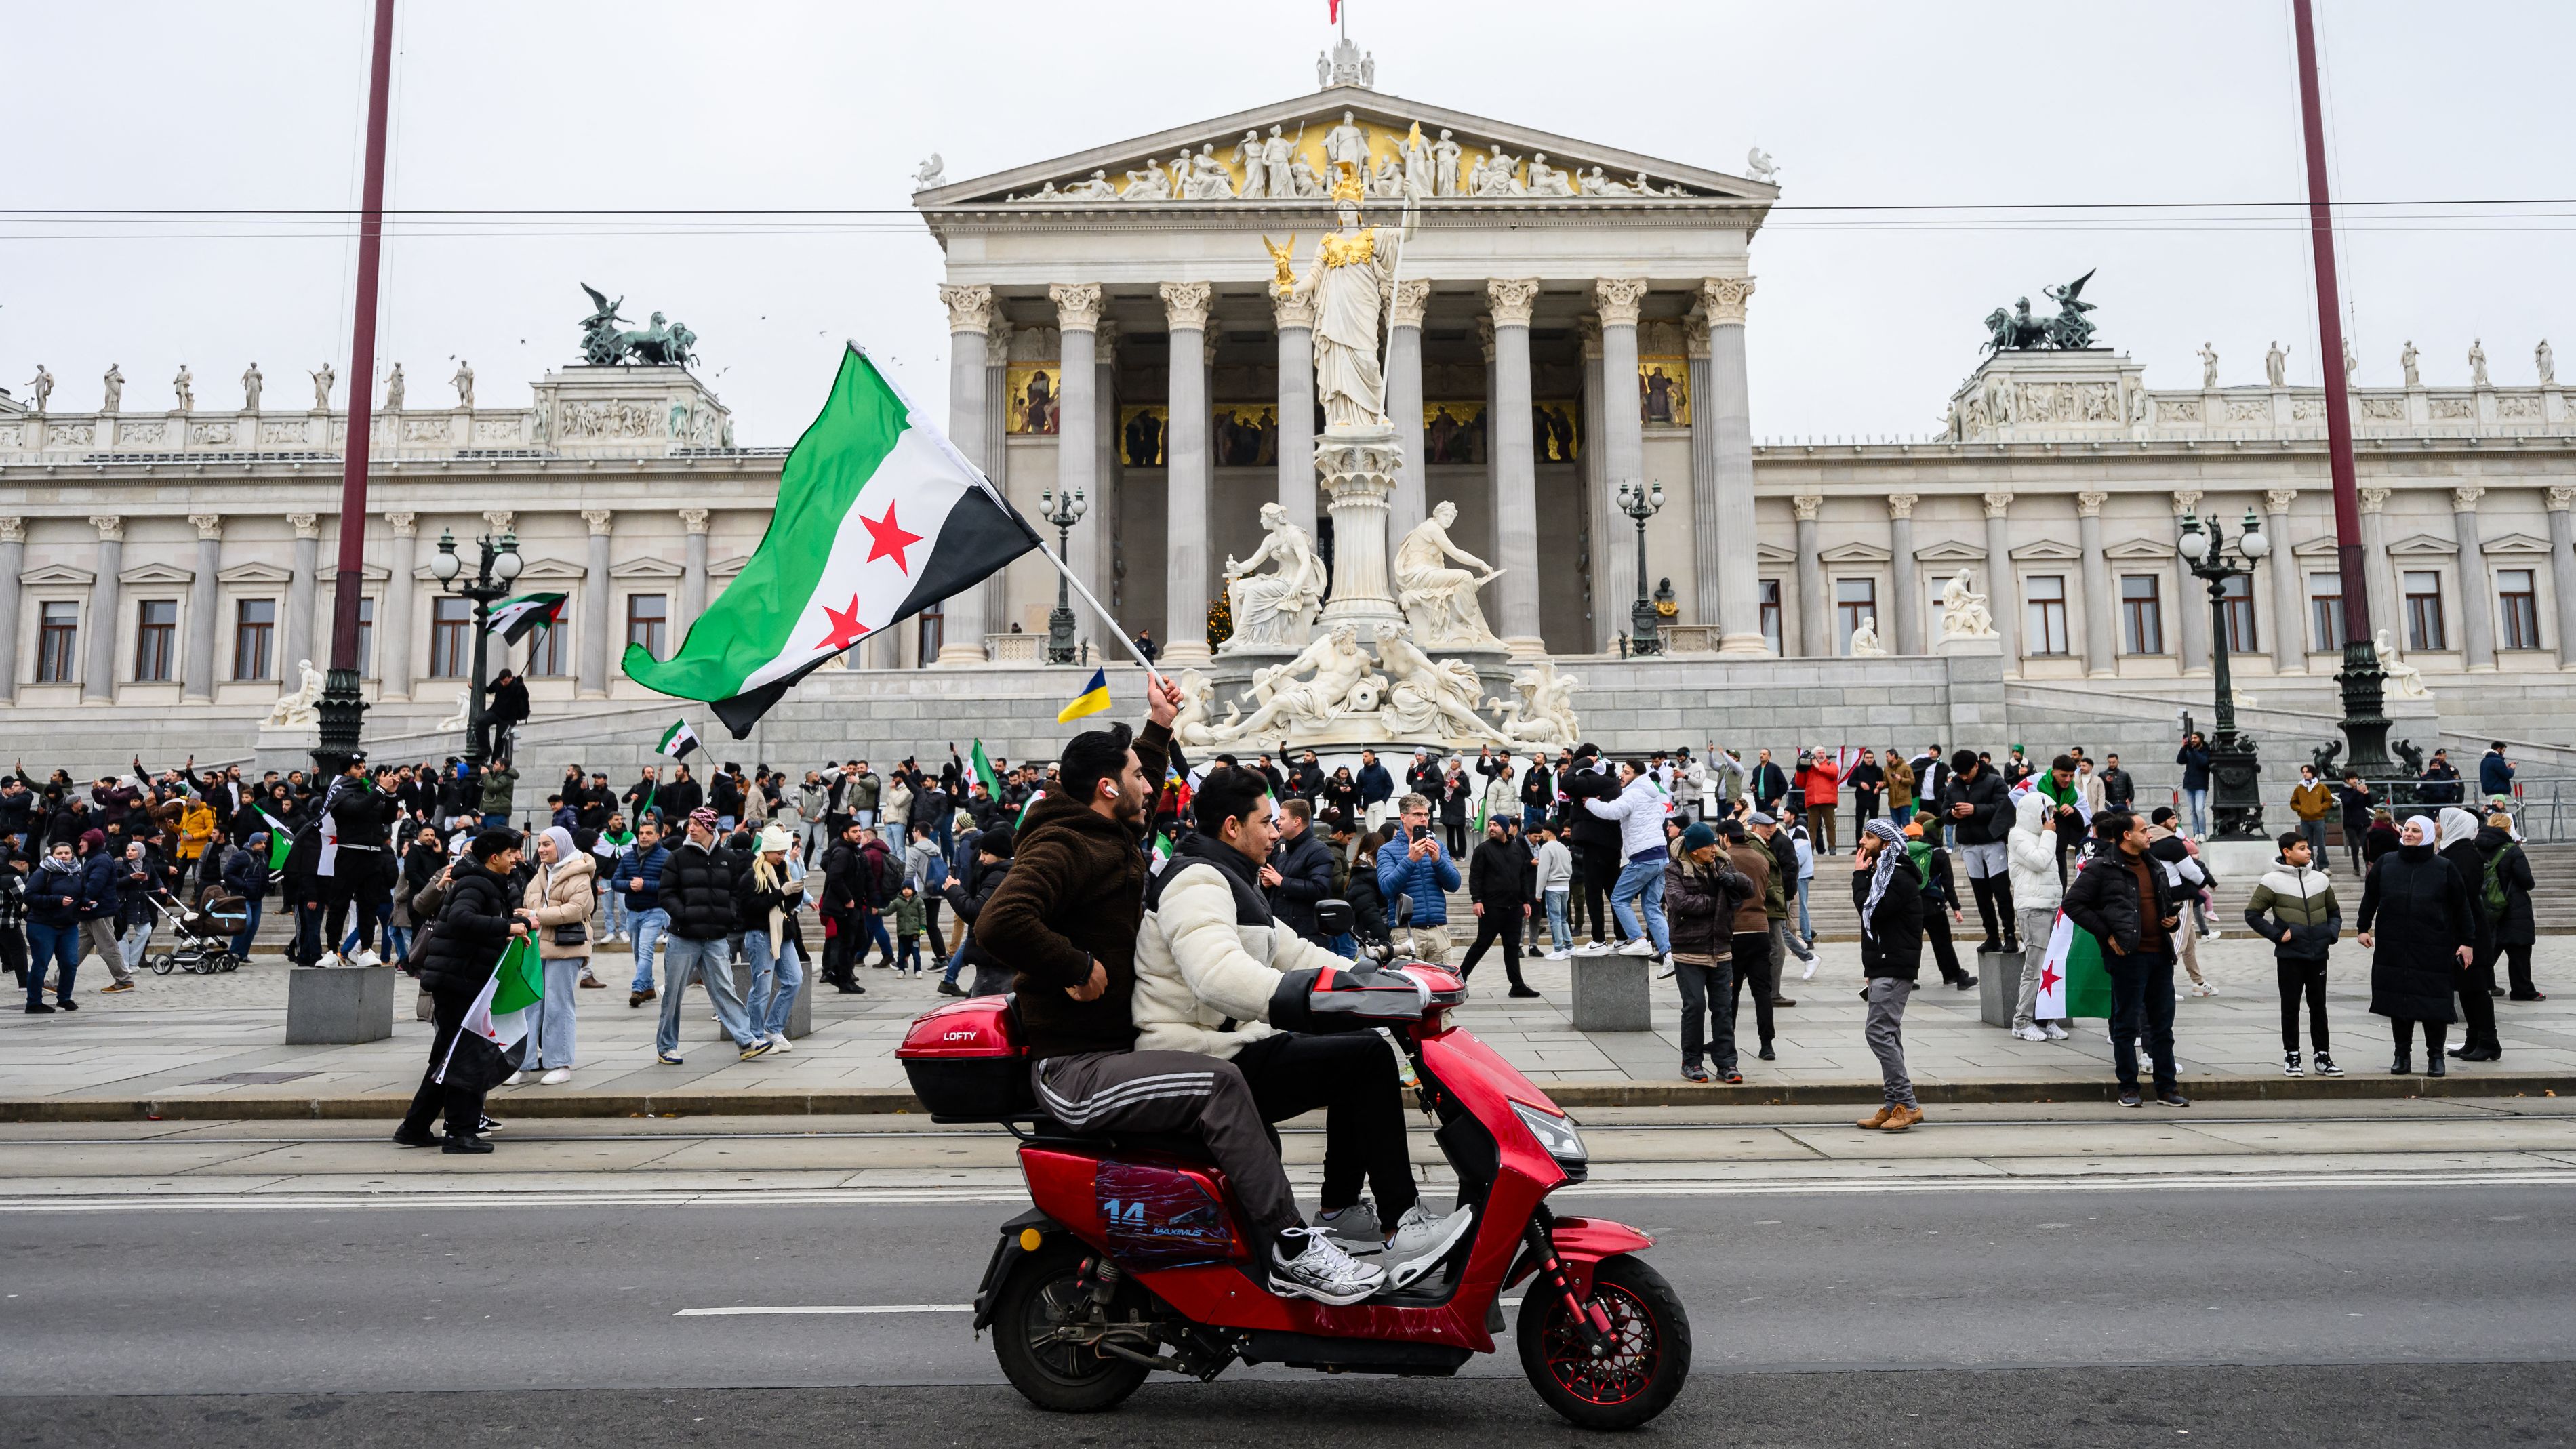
{"points": [[1358, 997]]}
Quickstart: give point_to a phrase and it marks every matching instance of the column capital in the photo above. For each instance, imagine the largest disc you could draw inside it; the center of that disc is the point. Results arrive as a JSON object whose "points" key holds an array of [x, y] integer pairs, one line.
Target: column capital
{"points": [[2465, 500], [211, 525], [2373, 499], [1804, 505], [1901, 505], [1405, 306], [1723, 298], [306, 525], [1588, 329], [1485, 337], [1695, 333], [499, 519], [2278, 500], [997, 346], [1998, 504], [694, 519], [13, 530], [2559, 495], [1512, 299], [970, 309], [1618, 299], [1297, 309], [1077, 306], [111, 529], [599, 520], [2187, 500], [1185, 304], [2089, 505]]}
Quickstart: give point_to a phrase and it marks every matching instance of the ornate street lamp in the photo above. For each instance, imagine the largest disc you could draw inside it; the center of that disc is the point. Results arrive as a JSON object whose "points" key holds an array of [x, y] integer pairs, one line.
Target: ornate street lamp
{"points": [[1643, 622], [1064, 511], [2235, 800], [490, 583]]}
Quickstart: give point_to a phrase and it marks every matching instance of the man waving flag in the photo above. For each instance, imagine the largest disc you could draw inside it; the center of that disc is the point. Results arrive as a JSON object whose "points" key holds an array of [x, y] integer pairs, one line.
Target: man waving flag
{"points": [[878, 517]]}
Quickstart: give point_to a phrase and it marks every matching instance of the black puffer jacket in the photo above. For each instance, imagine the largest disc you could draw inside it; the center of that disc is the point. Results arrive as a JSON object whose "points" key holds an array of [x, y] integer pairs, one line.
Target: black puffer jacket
{"points": [[1892, 945], [2105, 901], [1305, 867], [2417, 912], [473, 928], [697, 888], [1990, 813]]}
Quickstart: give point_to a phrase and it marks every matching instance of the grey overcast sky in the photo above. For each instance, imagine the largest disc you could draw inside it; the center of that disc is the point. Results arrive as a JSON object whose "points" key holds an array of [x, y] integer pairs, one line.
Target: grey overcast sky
{"points": [[1863, 323]]}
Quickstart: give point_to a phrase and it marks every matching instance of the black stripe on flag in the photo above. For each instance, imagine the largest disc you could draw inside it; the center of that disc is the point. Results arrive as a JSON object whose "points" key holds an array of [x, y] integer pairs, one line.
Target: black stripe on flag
{"points": [[981, 535]]}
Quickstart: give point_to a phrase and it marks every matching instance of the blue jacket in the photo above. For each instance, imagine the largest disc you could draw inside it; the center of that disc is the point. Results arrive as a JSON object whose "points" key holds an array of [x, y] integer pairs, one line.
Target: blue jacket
{"points": [[649, 870], [102, 884], [1427, 881], [1375, 784], [2195, 767], [2495, 777], [46, 890]]}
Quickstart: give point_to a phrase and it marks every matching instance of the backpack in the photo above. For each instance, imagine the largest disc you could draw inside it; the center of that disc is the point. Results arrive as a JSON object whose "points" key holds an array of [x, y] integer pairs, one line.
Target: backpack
{"points": [[2494, 896]]}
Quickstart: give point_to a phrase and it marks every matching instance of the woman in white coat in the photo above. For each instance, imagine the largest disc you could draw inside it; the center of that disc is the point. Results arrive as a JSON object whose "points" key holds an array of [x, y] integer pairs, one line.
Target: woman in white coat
{"points": [[2030, 855]]}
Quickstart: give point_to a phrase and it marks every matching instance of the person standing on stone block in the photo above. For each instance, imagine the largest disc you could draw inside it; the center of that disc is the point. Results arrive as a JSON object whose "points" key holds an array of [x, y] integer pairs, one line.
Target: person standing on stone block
{"points": [[1976, 807], [1638, 809]]}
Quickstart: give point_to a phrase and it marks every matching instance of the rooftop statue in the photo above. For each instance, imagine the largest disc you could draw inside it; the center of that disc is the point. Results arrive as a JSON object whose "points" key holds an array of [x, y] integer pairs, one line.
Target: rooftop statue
{"points": [[662, 344], [2016, 330]]}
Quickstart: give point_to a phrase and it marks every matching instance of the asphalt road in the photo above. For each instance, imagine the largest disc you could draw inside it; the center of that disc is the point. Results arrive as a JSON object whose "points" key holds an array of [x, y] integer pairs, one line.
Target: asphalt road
{"points": [[2366, 1315]]}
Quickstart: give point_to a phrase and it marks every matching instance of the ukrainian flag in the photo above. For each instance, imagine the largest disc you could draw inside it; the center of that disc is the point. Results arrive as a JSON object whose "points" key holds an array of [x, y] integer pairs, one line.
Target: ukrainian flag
{"points": [[1093, 699]]}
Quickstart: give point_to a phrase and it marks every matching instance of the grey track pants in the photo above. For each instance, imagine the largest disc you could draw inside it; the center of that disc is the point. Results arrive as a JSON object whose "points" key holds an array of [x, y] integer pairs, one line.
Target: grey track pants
{"points": [[1098, 1093], [1884, 1030]]}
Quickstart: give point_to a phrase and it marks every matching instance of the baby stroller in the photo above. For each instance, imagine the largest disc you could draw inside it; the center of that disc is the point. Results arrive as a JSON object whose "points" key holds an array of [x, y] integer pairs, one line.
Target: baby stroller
{"points": [[204, 936]]}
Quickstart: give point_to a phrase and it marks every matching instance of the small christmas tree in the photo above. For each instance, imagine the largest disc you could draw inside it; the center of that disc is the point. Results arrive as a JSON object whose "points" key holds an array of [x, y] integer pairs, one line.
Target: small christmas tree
{"points": [[1220, 621]]}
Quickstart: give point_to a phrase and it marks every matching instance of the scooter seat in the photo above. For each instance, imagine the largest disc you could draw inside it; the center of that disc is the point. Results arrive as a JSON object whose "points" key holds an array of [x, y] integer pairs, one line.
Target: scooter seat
{"points": [[1183, 1145]]}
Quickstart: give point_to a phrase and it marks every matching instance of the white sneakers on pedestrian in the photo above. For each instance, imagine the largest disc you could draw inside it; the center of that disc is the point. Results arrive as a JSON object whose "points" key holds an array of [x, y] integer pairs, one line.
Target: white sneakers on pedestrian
{"points": [[1638, 947], [1555, 955], [2203, 988], [1596, 948], [555, 1078], [1810, 973], [366, 957], [778, 1042], [1321, 1270], [330, 960], [2054, 1032], [515, 1079], [2030, 1033]]}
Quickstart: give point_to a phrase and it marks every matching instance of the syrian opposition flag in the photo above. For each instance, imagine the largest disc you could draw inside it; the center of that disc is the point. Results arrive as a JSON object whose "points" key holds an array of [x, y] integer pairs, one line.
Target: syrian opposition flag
{"points": [[982, 765], [515, 619], [878, 517], [678, 740], [494, 1037], [2072, 981]]}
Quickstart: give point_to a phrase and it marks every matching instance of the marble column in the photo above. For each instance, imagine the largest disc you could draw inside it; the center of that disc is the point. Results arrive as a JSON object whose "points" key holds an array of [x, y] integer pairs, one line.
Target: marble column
{"points": [[1907, 578], [2379, 583], [2003, 593], [1623, 452], [2101, 642], [394, 621], [197, 661], [1601, 522], [970, 315], [296, 637], [693, 575], [2289, 593], [1706, 532], [592, 650], [1516, 467], [1815, 629], [1294, 319], [1409, 504], [995, 458], [1185, 473], [2477, 593], [13, 562], [1077, 439], [1729, 402], [2192, 597], [1096, 556], [2562, 568], [98, 678]]}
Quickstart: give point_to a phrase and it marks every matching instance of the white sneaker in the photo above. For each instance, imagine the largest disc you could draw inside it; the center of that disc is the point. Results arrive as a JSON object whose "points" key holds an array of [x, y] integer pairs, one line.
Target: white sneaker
{"points": [[515, 1079], [1810, 973], [1597, 948], [1556, 955], [1638, 947], [2203, 988], [2031, 1033], [331, 960], [2213, 987], [1421, 1241], [1322, 1271], [2209, 933], [556, 1078], [366, 958], [778, 1042], [2054, 1032]]}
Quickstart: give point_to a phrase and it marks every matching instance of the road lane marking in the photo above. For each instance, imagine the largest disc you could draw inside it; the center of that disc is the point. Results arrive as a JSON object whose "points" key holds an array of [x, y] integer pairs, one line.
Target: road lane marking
{"points": [[825, 1308]]}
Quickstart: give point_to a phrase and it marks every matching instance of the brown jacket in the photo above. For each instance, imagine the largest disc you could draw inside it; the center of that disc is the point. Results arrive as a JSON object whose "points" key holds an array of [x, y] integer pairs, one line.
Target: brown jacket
{"points": [[2311, 800], [1751, 859], [568, 902], [1900, 782], [1075, 894]]}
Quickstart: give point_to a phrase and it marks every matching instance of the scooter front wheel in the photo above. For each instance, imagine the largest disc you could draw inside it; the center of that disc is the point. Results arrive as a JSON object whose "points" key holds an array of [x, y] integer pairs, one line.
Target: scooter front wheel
{"points": [[1643, 1365], [1042, 1300]]}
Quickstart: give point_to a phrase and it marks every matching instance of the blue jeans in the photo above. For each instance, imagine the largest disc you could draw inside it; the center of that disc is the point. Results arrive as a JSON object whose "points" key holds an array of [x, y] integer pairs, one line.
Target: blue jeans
{"points": [[250, 928], [2196, 805], [1345, 945], [1899, 815], [58, 946], [650, 926], [614, 923], [398, 944], [956, 960], [712, 963], [1806, 924], [1560, 937], [1641, 881], [910, 955], [775, 979], [874, 934], [550, 1045]]}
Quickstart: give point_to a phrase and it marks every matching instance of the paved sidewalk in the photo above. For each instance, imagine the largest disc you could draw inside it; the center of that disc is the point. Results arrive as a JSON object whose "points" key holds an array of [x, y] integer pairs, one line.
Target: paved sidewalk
{"points": [[214, 1046]]}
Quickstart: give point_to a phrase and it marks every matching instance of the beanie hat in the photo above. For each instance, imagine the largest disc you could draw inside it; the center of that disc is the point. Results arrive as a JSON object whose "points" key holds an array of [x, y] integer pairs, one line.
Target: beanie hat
{"points": [[1698, 836]]}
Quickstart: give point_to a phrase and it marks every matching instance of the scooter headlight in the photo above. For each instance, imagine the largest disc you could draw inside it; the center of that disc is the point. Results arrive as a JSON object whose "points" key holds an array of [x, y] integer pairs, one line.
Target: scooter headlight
{"points": [[1555, 1134]]}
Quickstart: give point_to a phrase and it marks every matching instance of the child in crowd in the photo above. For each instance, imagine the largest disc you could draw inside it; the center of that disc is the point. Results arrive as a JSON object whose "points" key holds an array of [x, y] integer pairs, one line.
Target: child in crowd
{"points": [[909, 919]]}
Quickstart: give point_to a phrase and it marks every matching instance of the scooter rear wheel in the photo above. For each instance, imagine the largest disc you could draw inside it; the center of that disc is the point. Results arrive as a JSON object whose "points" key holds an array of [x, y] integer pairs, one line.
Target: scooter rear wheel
{"points": [[1042, 1295], [1649, 1356]]}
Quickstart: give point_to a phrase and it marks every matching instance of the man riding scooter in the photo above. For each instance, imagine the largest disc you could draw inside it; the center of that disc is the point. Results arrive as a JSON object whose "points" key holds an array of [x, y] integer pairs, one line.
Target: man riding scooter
{"points": [[1209, 961], [1067, 918]]}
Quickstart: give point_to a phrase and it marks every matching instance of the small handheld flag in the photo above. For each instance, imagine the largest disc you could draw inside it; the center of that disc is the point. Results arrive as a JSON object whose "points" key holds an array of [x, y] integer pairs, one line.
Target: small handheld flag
{"points": [[1093, 699], [514, 619], [983, 768], [678, 740]]}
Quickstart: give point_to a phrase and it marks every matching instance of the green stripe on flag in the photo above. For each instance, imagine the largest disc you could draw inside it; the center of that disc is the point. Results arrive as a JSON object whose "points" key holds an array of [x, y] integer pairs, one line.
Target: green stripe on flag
{"points": [[983, 768], [518, 982]]}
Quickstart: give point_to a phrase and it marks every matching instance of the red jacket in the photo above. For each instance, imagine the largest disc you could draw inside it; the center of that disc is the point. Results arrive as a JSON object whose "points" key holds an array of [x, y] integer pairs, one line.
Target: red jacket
{"points": [[1819, 779]]}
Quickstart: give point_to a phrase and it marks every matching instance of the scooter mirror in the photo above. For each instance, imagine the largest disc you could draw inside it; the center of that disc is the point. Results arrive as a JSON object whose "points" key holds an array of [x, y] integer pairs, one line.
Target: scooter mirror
{"points": [[1334, 918], [1404, 910]]}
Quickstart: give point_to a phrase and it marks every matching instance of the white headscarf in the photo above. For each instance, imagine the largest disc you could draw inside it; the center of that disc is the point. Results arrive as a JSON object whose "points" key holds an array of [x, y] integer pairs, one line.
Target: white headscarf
{"points": [[2432, 831], [565, 850], [2457, 825], [1891, 850]]}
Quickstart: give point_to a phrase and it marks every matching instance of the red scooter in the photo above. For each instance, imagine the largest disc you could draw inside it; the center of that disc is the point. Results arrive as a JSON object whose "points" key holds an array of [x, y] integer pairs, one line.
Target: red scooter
{"points": [[1133, 1258]]}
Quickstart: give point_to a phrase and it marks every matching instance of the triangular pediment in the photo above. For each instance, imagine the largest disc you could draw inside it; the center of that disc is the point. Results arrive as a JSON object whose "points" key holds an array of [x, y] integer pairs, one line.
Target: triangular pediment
{"points": [[1384, 121], [266, 573], [57, 575], [1854, 553], [1772, 553], [1950, 550], [2515, 543], [156, 573], [645, 568], [2133, 550], [2047, 550], [2424, 545], [552, 570]]}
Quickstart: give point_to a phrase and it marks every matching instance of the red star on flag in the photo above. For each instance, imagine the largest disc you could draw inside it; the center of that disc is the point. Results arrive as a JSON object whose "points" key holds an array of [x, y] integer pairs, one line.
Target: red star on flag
{"points": [[887, 538], [2048, 978], [846, 628]]}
